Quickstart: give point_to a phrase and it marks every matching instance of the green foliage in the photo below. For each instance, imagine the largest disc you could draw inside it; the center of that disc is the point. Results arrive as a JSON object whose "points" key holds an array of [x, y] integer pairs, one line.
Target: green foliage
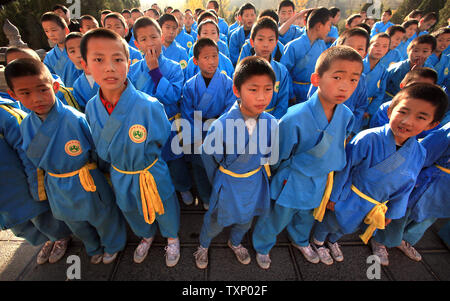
{"points": [[404, 9]]}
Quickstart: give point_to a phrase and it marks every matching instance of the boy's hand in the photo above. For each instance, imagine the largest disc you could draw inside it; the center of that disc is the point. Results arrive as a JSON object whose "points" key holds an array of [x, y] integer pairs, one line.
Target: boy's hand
{"points": [[151, 57], [387, 221], [330, 205]]}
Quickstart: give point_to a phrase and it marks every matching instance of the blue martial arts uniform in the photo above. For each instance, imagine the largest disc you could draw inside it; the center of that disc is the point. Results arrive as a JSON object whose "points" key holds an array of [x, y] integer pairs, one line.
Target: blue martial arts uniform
{"points": [[393, 56], [135, 55], [223, 48], [376, 86], [310, 148], [334, 33], [237, 40], [292, 33], [70, 74], [131, 140], [185, 40], [62, 144], [55, 60], [223, 26], [176, 53], [225, 66], [84, 89], [282, 91], [441, 66], [380, 27], [248, 50], [300, 60]]}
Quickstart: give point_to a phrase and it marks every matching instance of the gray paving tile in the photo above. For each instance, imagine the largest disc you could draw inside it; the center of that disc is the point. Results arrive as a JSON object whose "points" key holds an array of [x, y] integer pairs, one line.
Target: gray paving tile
{"points": [[223, 266], [353, 268], [430, 241], [154, 267], [14, 257], [439, 264], [404, 269]]}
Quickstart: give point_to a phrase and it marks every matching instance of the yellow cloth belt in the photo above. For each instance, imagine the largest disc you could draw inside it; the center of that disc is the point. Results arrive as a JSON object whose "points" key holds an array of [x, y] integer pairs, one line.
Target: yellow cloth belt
{"points": [[83, 173], [300, 83], [270, 110], [41, 187], [319, 212], [446, 170], [151, 201], [245, 175], [375, 218], [389, 94]]}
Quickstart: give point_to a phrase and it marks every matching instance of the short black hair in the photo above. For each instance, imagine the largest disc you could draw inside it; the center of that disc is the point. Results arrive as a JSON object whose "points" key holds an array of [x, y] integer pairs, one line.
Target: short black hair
{"points": [[55, 18], [378, 36], [145, 21], [25, 50], [430, 16], [423, 39], [409, 23], [333, 54], [105, 12], [394, 29], [116, 16], [101, 33], [166, 18], [286, 3], [87, 17], [440, 31], [25, 67], [430, 93], [355, 31], [264, 22], [319, 15], [389, 11], [61, 7], [214, 2], [202, 43], [269, 13], [333, 11], [414, 14], [350, 19], [246, 6], [125, 11], [417, 72], [250, 66], [203, 23], [135, 10], [364, 26], [71, 36], [155, 12], [206, 14]]}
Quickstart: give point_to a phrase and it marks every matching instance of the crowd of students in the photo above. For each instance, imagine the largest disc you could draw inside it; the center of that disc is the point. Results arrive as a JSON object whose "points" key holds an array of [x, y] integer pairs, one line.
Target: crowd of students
{"points": [[332, 133]]}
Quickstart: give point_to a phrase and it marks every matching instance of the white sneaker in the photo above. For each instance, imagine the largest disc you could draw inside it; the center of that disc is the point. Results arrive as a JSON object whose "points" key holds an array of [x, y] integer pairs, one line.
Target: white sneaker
{"points": [[309, 253], [324, 254], [241, 253], [201, 257], [380, 251], [187, 197], [409, 251], [263, 260], [172, 252], [142, 250], [108, 258], [335, 251]]}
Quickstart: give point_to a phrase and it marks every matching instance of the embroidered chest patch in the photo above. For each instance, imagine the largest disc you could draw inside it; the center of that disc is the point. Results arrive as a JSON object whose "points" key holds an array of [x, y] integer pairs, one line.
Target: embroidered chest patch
{"points": [[137, 133], [73, 148]]}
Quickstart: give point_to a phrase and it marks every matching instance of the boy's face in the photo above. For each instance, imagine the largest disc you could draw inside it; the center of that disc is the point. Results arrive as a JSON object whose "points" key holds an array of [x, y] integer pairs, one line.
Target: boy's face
{"points": [[188, 20], [53, 32], [210, 6], [107, 63], [370, 22], [179, 17], [209, 31], [148, 38], [358, 43], [88, 25], [426, 25], [396, 39], [324, 29], [336, 18], [355, 22], [207, 61], [116, 26], [255, 94], [410, 31], [35, 92], [248, 18], [169, 31], [73, 51], [385, 17], [264, 42], [419, 54], [337, 84], [379, 48], [442, 42], [410, 117], [285, 13]]}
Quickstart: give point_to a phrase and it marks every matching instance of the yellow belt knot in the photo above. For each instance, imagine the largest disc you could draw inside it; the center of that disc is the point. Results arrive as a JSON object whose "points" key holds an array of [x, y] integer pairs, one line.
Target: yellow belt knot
{"points": [[151, 201], [84, 175], [319, 212], [375, 218]]}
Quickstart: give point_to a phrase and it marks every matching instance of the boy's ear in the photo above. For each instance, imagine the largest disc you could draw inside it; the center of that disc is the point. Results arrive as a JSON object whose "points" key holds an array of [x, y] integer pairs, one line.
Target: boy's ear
{"points": [[11, 93], [315, 79], [402, 85], [66, 29], [251, 43], [432, 125], [195, 61], [56, 86], [236, 92], [389, 111]]}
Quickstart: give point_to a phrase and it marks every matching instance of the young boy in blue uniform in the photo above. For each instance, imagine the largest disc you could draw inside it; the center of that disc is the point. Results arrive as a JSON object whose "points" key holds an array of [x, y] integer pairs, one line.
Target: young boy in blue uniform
{"points": [[418, 52], [117, 23], [410, 28], [333, 35], [208, 28], [223, 26], [264, 38], [369, 193], [438, 60], [209, 92], [247, 13], [165, 84], [396, 34], [73, 69], [286, 13], [55, 29], [57, 139], [129, 129], [300, 55], [170, 48], [184, 39], [311, 138], [382, 25], [427, 201], [234, 161], [23, 209]]}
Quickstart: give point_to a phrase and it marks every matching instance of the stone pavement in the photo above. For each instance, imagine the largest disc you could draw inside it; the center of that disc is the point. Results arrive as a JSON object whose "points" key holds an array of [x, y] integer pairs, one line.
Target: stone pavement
{"points": [[18, 260]]}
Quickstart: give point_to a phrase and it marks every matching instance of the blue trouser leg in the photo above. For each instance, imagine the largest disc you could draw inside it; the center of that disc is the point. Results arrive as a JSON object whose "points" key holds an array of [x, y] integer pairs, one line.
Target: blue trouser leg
{"points": [[179, 173], [328, 227], [51, 227], [269, 226], [138, 225], [392, 235], [238, 231], [88, 235], [29, 231], [444, 233], [201, 179], [300, 227], [414, 231]]}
